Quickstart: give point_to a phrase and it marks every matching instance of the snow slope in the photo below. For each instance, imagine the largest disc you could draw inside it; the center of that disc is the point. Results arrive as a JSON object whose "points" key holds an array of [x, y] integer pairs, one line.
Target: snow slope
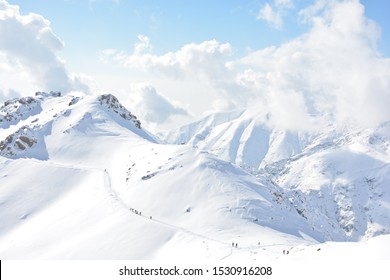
{"points": [[336, 178], [81, 179]]}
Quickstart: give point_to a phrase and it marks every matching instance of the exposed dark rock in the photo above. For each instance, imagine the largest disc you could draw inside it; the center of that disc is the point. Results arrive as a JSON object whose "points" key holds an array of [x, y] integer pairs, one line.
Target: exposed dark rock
{"points": [[20, 145], [111, 102], [17, 142], [26, 140], [50, 94], [17, 109], [74, 100]]}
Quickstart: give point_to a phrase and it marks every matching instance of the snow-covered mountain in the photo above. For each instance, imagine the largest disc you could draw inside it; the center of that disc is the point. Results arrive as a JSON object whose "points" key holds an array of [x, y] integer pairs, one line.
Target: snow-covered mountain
{"points": [[336, 178], [81, 179]]}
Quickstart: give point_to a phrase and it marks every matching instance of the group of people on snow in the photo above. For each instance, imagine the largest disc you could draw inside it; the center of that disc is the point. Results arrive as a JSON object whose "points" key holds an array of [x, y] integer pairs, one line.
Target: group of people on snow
{"points": [[138, 212], [234, 244]]}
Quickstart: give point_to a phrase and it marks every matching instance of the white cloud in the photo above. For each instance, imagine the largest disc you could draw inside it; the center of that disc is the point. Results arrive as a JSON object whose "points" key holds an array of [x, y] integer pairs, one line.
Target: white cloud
{"points": [[195, 72], [11, 93], [199, 60], [333, 69], [28, 50], [273, 17], [152, 106], [274, 14], [143, 46], [310, 12]]}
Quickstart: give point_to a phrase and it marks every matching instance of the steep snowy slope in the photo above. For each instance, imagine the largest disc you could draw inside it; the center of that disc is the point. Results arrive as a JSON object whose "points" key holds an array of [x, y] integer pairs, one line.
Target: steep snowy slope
{"points": [[28, 124], [93, 184], [336, 178], [242, 137], [81, 179], [353, 172]]}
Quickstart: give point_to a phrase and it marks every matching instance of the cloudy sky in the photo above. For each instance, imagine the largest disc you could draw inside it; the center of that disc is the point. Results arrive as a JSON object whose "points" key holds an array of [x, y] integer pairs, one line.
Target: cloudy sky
{"points": [[173, 61]]}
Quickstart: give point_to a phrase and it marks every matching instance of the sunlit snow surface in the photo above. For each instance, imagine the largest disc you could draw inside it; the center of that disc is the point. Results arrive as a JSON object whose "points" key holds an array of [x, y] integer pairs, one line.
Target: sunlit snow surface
{"points": [[79, 179]]}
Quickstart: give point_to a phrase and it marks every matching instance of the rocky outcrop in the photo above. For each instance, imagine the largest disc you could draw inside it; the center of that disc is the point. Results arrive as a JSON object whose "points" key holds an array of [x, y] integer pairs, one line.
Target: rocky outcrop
{"points": [[112, 103], [18, 109], [17, 143]]}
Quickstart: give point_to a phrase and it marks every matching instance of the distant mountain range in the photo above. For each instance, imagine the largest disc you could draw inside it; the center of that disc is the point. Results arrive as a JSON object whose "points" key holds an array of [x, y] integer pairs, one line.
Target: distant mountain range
{"points": [[81, 179]]}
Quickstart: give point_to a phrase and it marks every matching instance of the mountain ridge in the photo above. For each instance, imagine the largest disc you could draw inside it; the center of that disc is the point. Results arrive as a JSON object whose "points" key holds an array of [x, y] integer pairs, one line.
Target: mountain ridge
{"points": [[95, 184], [344, 162]]}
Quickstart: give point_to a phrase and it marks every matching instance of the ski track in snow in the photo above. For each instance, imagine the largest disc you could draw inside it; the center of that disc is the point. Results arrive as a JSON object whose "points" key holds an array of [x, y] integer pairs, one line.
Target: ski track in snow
{"points": [[118, 202]]}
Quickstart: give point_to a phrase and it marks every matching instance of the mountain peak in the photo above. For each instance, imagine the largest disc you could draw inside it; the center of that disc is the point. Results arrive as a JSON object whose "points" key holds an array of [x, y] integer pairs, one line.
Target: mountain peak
{"points": [[112, 103], [86, 162], [17, 109], [27, 122]]}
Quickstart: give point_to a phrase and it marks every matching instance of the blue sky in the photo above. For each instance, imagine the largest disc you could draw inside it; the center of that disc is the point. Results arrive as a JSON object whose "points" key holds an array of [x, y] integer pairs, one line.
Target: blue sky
{"points": [[86, 26], [193, 57], [89, 26]]}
